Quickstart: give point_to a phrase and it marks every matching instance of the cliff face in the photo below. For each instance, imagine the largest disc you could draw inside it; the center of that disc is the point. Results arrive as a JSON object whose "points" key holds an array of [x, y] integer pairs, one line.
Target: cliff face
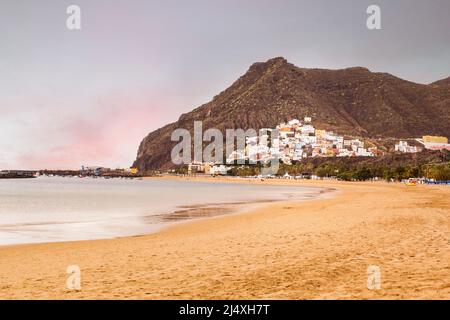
{"points": [[350, 101]]}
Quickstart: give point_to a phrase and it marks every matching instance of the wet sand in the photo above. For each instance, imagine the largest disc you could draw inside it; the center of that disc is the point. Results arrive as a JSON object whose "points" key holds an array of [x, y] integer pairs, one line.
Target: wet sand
{"points": [[314, 249]]}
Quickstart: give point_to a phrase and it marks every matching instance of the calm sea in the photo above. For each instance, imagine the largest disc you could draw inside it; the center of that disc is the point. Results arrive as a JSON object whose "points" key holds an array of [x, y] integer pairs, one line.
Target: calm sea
{"points": [[50, 209]]}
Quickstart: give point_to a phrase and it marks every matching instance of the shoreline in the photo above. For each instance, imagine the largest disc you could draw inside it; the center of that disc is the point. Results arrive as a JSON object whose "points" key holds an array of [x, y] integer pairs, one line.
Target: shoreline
{"points": [[227, 210], [312, 249]]}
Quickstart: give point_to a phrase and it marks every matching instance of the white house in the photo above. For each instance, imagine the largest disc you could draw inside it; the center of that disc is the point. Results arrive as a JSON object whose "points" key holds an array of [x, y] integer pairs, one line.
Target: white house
{"points": [[218, 170]]}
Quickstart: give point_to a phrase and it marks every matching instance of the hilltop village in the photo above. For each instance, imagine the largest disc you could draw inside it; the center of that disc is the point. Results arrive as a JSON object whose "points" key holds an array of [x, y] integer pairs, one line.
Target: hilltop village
{"points": [[299, 140]]}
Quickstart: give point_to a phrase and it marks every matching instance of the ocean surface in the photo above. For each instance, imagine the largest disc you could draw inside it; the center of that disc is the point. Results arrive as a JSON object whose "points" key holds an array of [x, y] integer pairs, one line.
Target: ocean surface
{"points": [[53, 209]]}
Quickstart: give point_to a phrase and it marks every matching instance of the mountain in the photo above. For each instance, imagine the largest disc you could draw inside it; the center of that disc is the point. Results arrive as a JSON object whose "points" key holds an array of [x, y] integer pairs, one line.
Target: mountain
{"points": [[352, 101], [442, 83]]}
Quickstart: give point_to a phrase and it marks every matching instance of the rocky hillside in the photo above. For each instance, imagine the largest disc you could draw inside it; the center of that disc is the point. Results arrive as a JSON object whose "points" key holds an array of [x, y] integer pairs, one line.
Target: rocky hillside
{"points": [[353, 101]]}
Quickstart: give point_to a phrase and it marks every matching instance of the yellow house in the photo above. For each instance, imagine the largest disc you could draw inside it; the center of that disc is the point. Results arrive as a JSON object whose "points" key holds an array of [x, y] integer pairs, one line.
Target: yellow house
{"points": [[134, 170], [435, 139], [320, 133]]}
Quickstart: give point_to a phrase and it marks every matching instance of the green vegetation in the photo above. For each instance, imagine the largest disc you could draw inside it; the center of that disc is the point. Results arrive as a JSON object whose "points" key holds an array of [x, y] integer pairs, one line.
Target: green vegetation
{"points": [[181, 170], [431, 165], [439, 172]]}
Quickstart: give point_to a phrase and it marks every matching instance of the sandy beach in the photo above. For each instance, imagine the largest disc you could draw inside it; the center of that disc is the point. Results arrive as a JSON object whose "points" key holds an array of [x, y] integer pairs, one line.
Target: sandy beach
{"points": [[314, 249]]}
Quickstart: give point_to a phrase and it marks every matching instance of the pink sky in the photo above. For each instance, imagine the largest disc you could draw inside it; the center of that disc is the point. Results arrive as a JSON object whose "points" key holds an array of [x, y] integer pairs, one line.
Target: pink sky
{"points": [[107, 133]]}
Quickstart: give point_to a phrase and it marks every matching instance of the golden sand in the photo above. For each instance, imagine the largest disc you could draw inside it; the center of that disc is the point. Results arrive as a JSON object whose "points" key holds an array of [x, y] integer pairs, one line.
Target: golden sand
{"points": [[316, 249]]}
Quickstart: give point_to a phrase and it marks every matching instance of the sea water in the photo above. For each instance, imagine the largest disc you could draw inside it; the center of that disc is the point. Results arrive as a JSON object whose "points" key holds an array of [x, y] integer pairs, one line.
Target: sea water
{"points": [[53, 209]]}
